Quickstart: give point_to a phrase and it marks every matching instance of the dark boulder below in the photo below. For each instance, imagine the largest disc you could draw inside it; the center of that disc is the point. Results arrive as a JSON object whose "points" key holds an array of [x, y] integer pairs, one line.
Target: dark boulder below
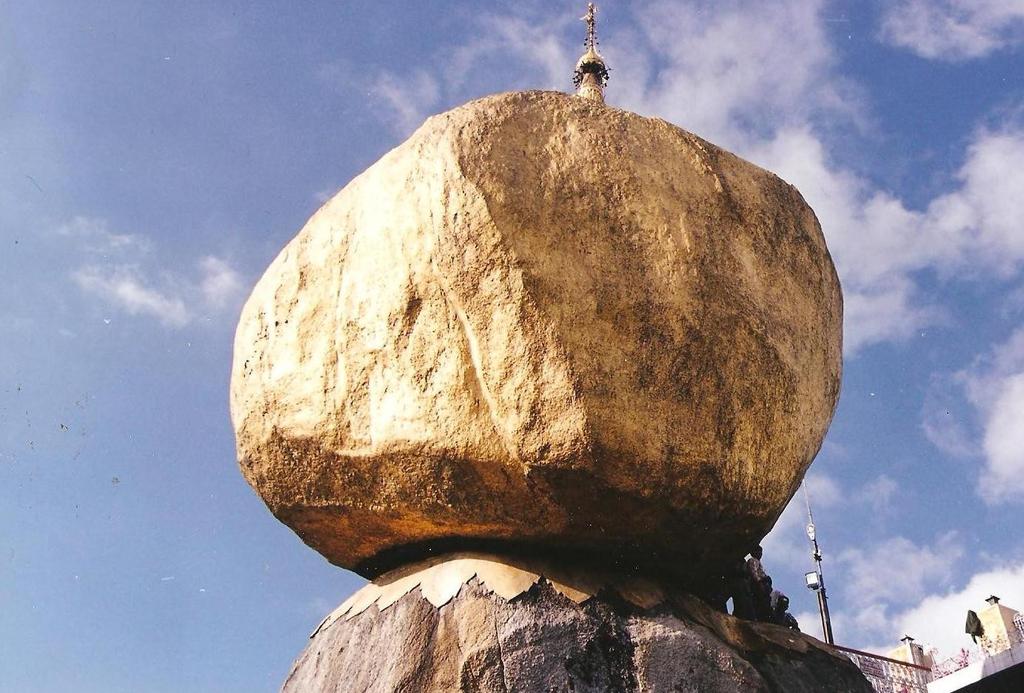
{"points": [[541, 640]]}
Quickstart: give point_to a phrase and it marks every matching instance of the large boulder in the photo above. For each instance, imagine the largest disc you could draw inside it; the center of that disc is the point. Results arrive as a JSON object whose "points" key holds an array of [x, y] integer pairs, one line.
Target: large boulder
{"points": [[547, 325]]}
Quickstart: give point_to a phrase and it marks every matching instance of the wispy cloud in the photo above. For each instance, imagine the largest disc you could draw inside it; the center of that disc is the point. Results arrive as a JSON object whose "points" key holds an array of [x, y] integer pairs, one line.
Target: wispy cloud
{"points": [[871, 576], [877, 589], [409, 100], [787, 543], [942, 420], [937, 619], [121, 271], [220, 284], [764, 81], [93, 236], [880, 244], [953, 30], [403, 101], [879, 494], [874, 590], [125, 288], [731, 71], [1003, 477], [993, 387]]}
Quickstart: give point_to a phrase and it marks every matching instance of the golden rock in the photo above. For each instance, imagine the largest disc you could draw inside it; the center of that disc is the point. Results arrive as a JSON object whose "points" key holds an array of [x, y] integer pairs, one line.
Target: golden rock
{"points": [[542, 325]]}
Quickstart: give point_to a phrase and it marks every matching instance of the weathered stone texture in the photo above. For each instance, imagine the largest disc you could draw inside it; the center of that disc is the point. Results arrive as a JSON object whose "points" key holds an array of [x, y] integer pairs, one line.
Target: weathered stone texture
{"points": [[543, 641], [544, 322]]}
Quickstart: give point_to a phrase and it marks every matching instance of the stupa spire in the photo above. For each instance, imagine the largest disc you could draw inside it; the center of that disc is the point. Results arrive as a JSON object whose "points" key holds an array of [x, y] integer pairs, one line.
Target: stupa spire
{"points": [[591, 19], [591, 74]]}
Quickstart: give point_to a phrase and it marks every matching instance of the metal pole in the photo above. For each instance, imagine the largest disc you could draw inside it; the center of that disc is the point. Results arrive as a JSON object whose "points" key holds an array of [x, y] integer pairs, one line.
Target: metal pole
{"points": [[826, 619], [821, 613]]}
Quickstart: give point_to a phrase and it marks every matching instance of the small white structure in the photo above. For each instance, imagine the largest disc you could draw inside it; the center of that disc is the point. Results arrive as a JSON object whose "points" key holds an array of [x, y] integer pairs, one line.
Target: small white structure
{"points": [[909, 669], [1002, 646], [890, 674], [912, 653]]}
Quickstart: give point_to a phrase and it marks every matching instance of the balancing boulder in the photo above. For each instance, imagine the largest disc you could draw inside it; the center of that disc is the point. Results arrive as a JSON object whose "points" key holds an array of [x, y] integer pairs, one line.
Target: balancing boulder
{"points": [[541, 325]]}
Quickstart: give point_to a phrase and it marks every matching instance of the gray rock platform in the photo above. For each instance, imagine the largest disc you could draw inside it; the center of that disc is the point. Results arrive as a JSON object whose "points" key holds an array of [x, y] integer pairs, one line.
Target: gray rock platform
{"points": [[543, 641]]}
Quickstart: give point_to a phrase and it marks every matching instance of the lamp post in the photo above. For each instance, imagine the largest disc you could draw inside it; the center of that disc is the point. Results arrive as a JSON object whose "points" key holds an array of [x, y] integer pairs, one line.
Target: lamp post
{"points": [[815, 579]]}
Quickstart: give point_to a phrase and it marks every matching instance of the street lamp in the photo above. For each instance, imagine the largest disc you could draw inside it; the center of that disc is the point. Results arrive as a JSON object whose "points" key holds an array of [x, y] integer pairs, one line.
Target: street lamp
{"points": [[815, 580]]}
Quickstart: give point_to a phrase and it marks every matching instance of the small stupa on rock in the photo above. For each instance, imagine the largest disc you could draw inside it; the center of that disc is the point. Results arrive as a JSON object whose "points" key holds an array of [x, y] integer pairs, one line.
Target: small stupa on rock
{"points": [[541, 373], [591, 74]]}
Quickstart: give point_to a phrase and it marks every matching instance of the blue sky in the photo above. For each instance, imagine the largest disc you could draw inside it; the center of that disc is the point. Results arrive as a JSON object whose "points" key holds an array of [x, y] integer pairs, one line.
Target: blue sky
{"points": [[154, 157]]}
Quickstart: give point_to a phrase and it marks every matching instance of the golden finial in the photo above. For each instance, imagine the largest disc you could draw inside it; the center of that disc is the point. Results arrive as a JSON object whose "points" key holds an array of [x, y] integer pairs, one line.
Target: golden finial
{"points": [[591, 19], [591, 74]]}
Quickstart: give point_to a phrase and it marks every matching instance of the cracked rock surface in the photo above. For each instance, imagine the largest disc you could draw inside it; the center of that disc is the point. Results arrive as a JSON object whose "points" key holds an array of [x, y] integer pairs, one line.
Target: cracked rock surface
{"points": [[543, 641], [544, 323]]}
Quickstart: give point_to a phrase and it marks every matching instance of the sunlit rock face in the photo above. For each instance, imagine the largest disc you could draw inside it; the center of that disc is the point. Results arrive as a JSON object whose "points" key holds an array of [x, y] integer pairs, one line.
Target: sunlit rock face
{"points": [[546, 325]]}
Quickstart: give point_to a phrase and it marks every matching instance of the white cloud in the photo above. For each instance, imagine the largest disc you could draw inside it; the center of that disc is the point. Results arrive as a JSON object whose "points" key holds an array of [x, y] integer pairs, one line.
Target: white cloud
{"points": [[953, 30], [124, 288], [787, 543], [885, 313], [408, 100], [763, 80], [733, 72], [942, 421], [321, 196], [542, 58], [94, 236], [480, 66], [122, 273], [730, 72], [994, 388], [879, 244], [879, 494], [897, 570], [220, 284], [938, 619], [1003, 477], [990, 204], [870, 585], [984, 380], [809, 623]]}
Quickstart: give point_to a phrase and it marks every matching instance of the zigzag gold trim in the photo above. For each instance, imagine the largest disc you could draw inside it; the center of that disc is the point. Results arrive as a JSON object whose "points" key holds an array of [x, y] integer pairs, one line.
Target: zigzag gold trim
{"points": [[441, 578]]}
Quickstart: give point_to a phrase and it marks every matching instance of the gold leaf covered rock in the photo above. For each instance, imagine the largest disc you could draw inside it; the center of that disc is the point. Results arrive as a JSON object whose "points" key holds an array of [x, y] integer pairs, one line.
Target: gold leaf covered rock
{"points": [[541, 325]]}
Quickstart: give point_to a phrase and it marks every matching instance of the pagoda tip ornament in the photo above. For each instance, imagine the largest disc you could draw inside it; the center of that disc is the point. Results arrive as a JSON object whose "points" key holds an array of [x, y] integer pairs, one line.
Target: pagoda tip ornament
{"points": [[591, 73]]}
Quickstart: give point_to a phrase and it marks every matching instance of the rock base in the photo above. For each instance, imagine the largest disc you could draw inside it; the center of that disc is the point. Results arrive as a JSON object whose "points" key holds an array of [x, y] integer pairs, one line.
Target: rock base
{"points": [[552, 637]]}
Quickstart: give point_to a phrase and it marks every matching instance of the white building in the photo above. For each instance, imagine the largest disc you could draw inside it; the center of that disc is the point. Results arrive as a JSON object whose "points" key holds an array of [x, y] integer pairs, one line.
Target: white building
{"points": [[1002, 646], [909, 669]]}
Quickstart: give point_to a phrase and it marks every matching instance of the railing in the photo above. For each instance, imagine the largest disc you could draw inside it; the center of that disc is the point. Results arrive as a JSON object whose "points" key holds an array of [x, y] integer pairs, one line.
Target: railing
{"points": [[989, 647], [957, 662], [889, 675]]}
